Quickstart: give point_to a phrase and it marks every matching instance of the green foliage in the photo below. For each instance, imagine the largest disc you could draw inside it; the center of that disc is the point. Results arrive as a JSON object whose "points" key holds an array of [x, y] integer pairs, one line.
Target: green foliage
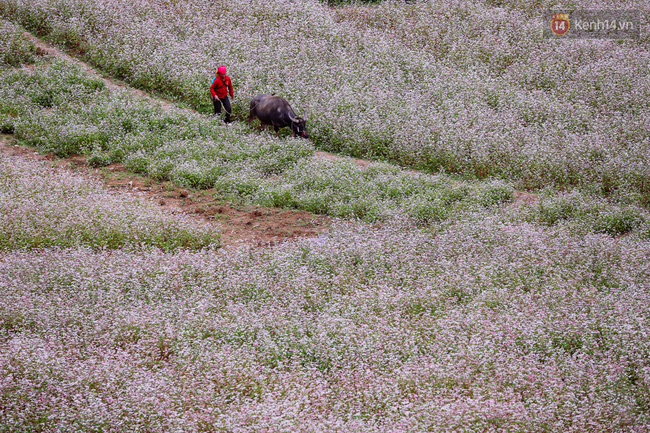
{"points": [[377, 192], [618, 221], [587, 212], [41, 208], [488, 194], [553, 209], [65, 112], [15, 48]]}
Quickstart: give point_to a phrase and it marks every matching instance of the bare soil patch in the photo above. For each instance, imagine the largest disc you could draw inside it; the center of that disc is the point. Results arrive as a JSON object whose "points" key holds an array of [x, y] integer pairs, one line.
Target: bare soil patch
{"points": [[319, 154], [239, 222]]}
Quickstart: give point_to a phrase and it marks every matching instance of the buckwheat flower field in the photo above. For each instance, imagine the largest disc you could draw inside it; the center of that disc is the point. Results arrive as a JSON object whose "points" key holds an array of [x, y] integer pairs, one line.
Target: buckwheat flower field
{"points": [[58, 108], [488, 326], [444, 298], [458, 85], [14, 49], [42, 208]]}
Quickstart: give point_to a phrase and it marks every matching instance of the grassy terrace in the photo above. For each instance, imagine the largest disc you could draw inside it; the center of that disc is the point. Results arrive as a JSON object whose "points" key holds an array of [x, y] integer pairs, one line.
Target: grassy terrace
{"points": [[463, 311], [60, 109], [464, 87], [41, 208]]}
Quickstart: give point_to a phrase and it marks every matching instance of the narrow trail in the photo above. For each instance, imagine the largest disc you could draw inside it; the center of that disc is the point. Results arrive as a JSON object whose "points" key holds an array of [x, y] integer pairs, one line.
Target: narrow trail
{"points": [[44, 48], [239, 223]]}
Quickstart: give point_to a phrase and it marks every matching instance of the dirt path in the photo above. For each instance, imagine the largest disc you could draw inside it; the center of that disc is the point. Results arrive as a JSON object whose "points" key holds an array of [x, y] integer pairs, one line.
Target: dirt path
{"points": [[239, 223], [44, 48]]}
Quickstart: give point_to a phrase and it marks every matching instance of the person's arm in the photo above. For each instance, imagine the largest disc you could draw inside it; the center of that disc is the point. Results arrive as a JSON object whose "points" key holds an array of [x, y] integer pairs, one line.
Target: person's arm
{"points": [[212, 88], [232, 96]]}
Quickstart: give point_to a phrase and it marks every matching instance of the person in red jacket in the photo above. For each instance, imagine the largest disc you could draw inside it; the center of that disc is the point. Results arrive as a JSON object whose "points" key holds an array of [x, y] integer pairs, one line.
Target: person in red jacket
{"points": [[220, 88]]}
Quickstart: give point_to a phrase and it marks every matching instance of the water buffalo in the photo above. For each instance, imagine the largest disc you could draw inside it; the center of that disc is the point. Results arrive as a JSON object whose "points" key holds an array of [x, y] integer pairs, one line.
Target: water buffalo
{"points": [[276, 111]]}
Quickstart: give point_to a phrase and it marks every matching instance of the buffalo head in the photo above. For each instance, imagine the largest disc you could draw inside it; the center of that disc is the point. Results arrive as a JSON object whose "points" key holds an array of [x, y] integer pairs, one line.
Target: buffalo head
{"points": [[298, 125]]}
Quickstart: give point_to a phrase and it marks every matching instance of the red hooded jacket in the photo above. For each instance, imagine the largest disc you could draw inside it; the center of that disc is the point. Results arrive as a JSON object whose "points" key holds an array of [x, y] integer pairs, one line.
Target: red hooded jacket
{"points": [[220, 88]]}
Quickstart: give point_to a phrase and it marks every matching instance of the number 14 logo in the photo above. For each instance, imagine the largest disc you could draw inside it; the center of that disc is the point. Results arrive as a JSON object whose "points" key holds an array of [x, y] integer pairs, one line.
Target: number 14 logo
{"points": [[560, 24]]}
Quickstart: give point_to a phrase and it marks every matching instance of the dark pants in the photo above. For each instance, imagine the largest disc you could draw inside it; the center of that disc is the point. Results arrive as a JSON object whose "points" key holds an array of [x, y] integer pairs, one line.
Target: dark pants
{"points": [[226, 104]]}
